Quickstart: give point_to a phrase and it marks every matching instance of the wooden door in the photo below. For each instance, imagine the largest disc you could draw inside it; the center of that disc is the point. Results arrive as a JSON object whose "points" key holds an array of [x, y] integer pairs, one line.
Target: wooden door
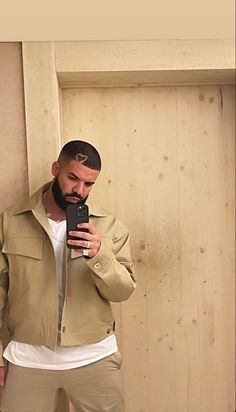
{"points": [[168, 173]]}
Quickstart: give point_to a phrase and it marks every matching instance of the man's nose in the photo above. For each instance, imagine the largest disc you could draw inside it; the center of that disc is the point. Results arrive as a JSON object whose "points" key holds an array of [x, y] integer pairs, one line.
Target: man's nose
{"points": [[79, 188]]}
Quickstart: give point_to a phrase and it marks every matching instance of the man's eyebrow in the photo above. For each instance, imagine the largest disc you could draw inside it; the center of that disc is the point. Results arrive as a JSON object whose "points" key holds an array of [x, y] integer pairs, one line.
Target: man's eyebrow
{"points": [[73, 174], [77, 177]]}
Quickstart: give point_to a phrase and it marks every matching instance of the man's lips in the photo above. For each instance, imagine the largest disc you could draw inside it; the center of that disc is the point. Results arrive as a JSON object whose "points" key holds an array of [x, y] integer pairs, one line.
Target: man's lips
{"points": [[72, 199]]}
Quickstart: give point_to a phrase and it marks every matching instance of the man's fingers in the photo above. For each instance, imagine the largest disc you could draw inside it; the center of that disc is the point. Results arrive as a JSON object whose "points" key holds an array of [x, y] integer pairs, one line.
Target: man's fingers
{"points": [[79, 243], [88, 226], [89, 240], [83, 235]]}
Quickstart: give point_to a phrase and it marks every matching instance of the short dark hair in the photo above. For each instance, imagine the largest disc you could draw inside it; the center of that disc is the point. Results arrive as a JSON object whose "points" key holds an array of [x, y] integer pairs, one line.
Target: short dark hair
{"points": [[83, 152]]}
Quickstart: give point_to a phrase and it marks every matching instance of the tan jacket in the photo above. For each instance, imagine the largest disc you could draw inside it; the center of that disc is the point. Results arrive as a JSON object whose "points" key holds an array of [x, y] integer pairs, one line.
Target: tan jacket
{"points": [[28, 282]]}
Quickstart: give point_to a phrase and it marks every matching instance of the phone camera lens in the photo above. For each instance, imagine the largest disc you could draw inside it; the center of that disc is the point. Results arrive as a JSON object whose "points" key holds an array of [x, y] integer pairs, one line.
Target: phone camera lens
{"points": [[81, 211]]}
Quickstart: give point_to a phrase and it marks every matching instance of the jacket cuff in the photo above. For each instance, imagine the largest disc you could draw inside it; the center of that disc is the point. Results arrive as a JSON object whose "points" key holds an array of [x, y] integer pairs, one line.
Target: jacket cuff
{"points": [[102, 260]]}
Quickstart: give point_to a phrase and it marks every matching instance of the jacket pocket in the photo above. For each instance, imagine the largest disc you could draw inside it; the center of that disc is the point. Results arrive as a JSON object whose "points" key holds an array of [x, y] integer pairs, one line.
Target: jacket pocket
{"points": [[24, 246], [115, 359]]}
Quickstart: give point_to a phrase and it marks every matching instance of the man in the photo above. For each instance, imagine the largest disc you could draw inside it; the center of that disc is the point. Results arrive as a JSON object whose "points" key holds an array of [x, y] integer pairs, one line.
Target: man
{"points": [[57, 300]]}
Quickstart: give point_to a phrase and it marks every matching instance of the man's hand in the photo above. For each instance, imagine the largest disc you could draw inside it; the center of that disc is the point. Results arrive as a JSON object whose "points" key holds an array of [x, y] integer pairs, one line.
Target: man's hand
{"points": [[2, 376], [91, 242]]}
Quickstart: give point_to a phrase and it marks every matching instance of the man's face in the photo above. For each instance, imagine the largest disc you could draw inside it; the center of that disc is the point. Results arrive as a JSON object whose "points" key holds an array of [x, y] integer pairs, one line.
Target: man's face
{"points": [[73, 182]]}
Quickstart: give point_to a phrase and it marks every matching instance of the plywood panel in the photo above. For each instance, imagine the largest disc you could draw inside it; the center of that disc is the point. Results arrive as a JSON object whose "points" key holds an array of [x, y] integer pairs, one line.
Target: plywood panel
{"points": [[140, 63], [13, 165], [168, 174], [106, 123], [42, 110], [152, 55]]}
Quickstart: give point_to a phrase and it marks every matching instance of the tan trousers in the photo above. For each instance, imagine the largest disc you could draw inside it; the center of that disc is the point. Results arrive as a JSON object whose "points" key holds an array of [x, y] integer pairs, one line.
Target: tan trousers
{"points": [[91, 388]]}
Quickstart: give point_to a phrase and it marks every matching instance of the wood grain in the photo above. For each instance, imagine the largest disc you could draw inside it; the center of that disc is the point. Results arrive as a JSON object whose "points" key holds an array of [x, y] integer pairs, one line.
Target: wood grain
{"points": [[168, 174]]}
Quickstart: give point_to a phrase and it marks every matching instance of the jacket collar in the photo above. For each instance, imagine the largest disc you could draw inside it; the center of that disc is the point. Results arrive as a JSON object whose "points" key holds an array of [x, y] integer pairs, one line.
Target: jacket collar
{"points": [[35, 202]]}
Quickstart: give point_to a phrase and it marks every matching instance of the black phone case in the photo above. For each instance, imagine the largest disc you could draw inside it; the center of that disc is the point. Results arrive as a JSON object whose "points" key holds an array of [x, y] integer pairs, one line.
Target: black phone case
{"points": [[75, 214]]}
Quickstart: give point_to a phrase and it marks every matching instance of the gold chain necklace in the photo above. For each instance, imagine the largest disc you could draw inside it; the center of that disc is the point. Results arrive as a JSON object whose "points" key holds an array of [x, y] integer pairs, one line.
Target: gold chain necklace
{"points": [[49, 215], [44, 205]]}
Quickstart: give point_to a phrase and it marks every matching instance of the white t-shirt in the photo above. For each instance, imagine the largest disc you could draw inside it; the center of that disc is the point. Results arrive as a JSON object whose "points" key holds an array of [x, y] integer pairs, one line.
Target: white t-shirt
{"points": [[61, 357]]}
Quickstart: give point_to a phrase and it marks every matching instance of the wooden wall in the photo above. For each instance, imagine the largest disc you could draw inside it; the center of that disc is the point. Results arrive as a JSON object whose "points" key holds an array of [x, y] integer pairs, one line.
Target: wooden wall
{"points": [[169, 175], [13, 165]]}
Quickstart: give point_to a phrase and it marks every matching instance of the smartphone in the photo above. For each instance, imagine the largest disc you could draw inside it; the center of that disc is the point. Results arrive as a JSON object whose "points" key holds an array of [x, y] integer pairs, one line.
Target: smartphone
{"points": [[75, 214]]}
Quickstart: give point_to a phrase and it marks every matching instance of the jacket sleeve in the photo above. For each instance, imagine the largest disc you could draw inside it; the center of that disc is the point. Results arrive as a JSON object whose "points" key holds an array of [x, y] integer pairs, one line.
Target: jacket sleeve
{"points": [[112, 269], [3, 287]]}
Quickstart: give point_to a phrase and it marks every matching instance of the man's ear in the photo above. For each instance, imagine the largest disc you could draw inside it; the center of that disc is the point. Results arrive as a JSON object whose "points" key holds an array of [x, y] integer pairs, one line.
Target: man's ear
{"points": [[55, 168]]}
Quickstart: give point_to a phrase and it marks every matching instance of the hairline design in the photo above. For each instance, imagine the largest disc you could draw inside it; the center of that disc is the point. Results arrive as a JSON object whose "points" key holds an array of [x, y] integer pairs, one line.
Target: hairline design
{"points": [[81, 158]]}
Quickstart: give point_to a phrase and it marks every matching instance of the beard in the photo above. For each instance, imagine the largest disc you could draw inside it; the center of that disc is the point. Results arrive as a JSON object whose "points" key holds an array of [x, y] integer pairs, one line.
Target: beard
{"points": [[60, 199]]}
